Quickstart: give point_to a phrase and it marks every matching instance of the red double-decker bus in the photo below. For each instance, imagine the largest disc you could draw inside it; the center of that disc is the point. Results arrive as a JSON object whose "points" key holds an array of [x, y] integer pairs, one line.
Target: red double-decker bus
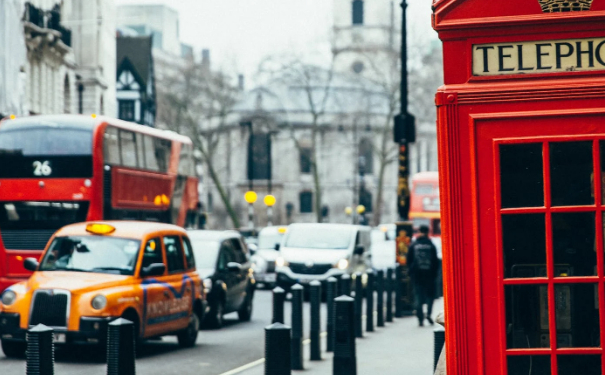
{"points": [[60, 169], [424, 202]]}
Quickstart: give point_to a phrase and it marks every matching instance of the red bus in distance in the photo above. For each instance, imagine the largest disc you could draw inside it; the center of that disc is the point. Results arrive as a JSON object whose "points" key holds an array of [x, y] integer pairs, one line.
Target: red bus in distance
{"points": [[62, 169], [424, 202]]}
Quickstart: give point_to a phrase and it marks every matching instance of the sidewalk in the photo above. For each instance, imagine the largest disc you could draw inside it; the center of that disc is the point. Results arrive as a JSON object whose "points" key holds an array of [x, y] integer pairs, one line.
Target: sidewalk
{"points": [[401, 347]]}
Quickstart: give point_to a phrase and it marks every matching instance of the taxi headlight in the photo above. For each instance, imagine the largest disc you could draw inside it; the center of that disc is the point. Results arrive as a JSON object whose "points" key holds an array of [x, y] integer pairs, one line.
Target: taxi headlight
{"points": [[207, 285], [280, 262], [99, 302], [9, 297], [342, 264]]}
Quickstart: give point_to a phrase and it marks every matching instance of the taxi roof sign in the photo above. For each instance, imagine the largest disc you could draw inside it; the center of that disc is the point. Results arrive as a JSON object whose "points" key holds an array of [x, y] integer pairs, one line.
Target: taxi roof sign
{"points": [[96, 228], [282, 230]]}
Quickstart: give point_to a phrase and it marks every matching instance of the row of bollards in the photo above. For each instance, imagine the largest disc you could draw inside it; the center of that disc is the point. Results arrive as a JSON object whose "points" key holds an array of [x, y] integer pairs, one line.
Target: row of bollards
{"points": [[284, 344], [40, 353]]}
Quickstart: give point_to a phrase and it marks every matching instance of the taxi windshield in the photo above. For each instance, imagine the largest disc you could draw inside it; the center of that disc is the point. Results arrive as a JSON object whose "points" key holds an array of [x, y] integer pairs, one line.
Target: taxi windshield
{"points": [[92, 254]]}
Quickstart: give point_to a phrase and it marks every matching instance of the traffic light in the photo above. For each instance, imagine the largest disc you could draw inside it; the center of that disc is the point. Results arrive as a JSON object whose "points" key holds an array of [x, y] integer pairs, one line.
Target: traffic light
{"points": [[404, 128]]}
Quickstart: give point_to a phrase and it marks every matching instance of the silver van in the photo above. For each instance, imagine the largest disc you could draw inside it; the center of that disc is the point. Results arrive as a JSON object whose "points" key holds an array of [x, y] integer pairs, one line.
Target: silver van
{"points": [[318, 251]]}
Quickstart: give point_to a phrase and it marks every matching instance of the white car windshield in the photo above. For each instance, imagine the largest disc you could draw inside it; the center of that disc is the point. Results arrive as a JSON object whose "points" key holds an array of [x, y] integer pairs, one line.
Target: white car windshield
{"points": [[318, 237], [268, 241], [92, 254]]}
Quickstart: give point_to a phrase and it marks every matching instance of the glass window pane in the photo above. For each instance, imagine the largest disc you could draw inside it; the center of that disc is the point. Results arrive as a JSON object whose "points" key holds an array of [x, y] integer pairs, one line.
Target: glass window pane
{"points": [[529, 364], [140, 150], [571, 173], [577, 315], [174, 254], [574, 244], [128, 148], [150, 159], [579, 364], [111, 146], [602, 146], [521, 175], [527, 316], [524, 245]]}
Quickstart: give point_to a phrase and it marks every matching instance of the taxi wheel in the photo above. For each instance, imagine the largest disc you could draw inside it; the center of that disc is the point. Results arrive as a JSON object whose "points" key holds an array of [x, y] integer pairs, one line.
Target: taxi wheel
{"points": [[188, 337], [14, 349], [245, 312]]}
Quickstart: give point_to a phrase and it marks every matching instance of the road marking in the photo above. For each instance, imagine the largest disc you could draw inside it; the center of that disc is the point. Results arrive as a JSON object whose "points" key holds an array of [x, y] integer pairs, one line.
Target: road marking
{"points": [[262, 360]]}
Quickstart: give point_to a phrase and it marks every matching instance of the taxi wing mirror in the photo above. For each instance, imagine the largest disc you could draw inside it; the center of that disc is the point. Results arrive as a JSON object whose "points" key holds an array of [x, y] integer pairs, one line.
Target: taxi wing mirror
{"points": [[277, 246], [30, 264], [358, 250], [154, 269], [234, 267]]}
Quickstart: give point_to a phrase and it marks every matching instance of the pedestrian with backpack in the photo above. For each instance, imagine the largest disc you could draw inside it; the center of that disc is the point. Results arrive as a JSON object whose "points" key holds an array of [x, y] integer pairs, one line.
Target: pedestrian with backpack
{"points": [[423, 265]]}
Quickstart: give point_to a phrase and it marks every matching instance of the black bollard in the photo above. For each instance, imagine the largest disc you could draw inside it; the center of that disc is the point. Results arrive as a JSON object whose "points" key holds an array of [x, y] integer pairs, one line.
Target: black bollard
{"points": [[399, 291], [297, 327], [345, 360], [120, 348], [380, 298], [439, 340], [370, 302], [358, 305], [315, 297], [40, 353], [389, 284], [331, 293], [345, 285], [279, 297], [277, 349]]}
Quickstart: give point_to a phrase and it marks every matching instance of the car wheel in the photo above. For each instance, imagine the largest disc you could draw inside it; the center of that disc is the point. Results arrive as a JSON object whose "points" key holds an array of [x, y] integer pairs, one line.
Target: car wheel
{"points": [[188, 337], [13, 349], [214, 319], [245, 312]]}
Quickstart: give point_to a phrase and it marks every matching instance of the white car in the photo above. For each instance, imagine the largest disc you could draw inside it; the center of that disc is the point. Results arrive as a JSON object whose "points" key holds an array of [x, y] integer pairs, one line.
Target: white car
{"points": [[267, 251]]}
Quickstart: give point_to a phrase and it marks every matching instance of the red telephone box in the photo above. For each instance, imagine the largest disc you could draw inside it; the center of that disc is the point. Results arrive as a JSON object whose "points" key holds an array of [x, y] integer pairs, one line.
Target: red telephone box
{"points": [[521, 128]]}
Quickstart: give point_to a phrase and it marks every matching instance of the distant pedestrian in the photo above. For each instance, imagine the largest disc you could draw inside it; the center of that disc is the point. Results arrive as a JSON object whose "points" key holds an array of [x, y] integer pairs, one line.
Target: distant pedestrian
{"points": [[423, 263]]}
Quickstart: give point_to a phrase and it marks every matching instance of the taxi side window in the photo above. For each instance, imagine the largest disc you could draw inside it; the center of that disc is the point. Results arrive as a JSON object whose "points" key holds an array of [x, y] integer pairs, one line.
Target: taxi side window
{"points": [[174, 254], [152, 253], [188, 253], [240, 257], [225, 255]]}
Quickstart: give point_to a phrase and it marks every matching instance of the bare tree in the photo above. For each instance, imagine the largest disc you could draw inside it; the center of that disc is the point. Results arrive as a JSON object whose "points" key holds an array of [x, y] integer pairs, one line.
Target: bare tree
{"points": [[310, 87], [197, 102]]}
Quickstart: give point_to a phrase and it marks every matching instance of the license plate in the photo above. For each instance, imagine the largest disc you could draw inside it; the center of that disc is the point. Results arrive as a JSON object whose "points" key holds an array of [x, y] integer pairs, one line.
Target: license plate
{"points": [[59, 338], [270, 278]]}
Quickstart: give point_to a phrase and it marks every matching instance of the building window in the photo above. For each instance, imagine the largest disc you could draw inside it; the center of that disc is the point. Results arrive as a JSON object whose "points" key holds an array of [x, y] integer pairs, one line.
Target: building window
{"points": [[126, 110], [259, 157], [66, 96], [366, 156], [306, 202], [357, 12], [305, 160]]}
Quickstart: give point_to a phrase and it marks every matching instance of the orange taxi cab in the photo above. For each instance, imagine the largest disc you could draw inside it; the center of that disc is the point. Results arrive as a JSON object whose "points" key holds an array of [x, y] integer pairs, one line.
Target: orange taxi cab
{"points": [[92, 273]]}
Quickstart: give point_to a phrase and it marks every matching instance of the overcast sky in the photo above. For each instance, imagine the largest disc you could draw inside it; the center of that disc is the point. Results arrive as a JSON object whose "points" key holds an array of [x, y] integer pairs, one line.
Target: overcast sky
{"points": [[239, 33]]}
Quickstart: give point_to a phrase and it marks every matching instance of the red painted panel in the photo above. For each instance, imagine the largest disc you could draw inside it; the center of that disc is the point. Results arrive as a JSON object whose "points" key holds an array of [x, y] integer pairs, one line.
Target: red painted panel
{"points": [[133, 189]]}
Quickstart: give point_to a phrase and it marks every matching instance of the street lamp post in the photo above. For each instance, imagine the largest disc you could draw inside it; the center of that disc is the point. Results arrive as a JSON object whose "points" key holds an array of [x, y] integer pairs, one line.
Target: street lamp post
{"points": [[250, 198], [269, 201]]}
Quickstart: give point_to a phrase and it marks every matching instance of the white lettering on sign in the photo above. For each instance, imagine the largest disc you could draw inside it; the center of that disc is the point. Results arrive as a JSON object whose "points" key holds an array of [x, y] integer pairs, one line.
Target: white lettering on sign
{"points": [[546, 56], [42, 168], [167, 307]]}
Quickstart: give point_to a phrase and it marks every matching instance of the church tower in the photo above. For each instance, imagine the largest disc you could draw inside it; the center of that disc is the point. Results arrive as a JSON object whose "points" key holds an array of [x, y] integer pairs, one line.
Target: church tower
{"points": [[367, 37]]}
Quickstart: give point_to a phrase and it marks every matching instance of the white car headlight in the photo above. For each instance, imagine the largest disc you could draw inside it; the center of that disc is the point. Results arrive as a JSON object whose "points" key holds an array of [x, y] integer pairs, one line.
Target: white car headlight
{"points": [[8, 297], [207, 285], [98, 302], [280, 262], [342, 264]]}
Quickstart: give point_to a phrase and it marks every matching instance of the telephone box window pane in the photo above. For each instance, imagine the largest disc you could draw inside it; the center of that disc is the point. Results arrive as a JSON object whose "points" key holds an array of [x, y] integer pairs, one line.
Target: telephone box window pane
{"points": [[529, 364], [571, 173], [577, 315], [574, 244], [521, 175], [526, 316], [524, 245], [579, 364]]}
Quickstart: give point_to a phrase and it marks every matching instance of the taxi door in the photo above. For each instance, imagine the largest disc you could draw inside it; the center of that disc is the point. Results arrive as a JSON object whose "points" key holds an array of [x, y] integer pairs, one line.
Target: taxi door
{"points": [[153, 290], [240, 278]]}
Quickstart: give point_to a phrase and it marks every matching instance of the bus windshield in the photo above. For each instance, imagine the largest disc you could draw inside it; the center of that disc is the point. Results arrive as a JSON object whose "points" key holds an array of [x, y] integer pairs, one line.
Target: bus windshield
{"points": [[34, 152], [92, 254]]}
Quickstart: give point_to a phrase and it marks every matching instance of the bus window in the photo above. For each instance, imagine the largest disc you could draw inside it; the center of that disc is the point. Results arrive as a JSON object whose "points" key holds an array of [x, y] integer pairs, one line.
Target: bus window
{"points": [[186, 162], [128, 148], [111, 147], [162, 153], [140, 150], [150, 160]]}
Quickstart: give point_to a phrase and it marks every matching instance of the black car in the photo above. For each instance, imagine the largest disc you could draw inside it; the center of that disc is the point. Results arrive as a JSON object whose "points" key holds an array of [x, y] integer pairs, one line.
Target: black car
{"points": [[223, 262]]}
